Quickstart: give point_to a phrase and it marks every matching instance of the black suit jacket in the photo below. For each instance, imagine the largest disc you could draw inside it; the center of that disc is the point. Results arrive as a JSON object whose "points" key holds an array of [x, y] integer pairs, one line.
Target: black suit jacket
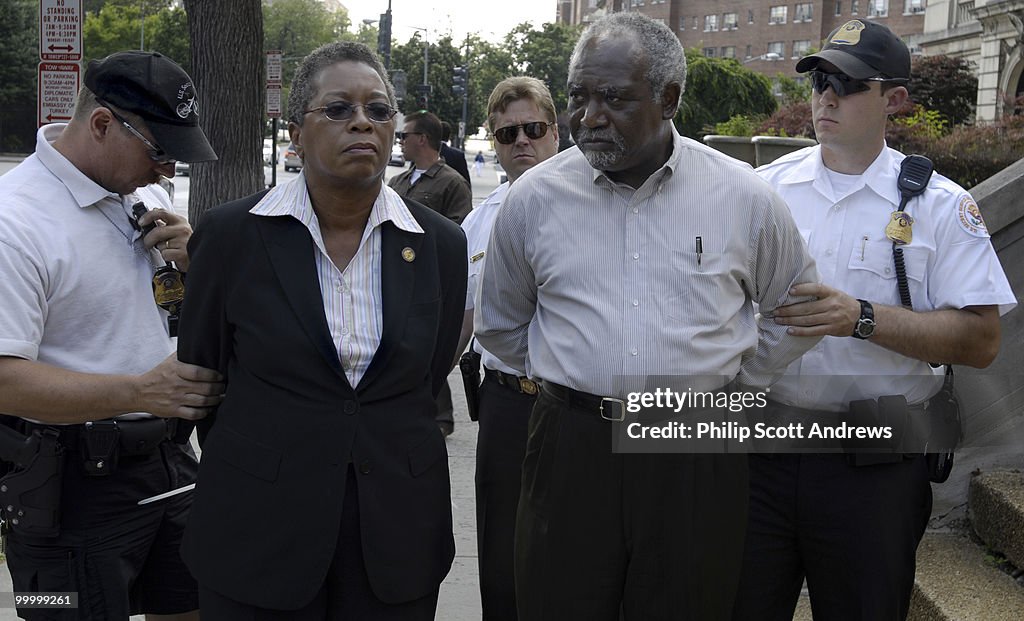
{"points": [[266, 514]]}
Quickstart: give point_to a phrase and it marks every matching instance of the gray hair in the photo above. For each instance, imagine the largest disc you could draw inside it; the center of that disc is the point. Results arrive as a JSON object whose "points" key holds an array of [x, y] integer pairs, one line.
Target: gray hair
{"points": [[322, 57], [666, 60]]}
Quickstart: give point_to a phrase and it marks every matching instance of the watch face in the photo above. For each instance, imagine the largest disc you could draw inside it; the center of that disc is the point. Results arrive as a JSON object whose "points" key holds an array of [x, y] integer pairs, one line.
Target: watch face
{"points": [[865, 328]]}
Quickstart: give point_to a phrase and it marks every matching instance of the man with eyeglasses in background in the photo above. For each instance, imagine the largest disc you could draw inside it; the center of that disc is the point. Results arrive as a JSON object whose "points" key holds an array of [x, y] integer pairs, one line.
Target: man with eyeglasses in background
{"points": [[521, 116], [87, 363], [437, 185], [850, 523]]}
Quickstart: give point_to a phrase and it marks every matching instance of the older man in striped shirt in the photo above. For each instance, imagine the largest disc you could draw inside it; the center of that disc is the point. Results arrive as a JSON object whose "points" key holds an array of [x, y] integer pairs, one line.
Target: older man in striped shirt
{"points": [[638, 254]]}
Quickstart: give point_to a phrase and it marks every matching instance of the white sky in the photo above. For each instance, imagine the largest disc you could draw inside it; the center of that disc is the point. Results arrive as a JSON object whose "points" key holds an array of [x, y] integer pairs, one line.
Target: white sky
{"points": [[491, 20]]}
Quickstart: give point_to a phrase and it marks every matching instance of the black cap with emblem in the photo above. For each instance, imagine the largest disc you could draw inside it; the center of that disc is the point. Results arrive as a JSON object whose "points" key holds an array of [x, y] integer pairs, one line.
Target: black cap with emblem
{"points": [[862, 49], [154, 87]]}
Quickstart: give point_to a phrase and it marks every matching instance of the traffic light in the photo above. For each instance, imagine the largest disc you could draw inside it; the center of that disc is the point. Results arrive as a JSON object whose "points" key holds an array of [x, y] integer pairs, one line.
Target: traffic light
{"points": [[421, 101], [459, 80], [384, 38]]}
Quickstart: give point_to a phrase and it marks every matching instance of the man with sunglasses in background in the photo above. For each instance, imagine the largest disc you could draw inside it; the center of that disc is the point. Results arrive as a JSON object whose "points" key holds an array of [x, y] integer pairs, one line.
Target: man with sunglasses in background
{"points": [[437, 185], [87, 361], [850, 523], [521, 116]]}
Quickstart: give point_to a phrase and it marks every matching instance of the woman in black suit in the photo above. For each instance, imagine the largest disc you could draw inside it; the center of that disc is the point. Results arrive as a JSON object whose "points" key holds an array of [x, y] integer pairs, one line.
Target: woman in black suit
{"points": [[332, 307]]}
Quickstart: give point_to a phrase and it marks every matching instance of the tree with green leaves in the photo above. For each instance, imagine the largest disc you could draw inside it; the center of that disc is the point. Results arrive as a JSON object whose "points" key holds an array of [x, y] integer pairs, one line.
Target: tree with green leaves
{"points": [[544, 54], [442, 58], [19, 53], [945, 84], [119, 25], [718, 89]]}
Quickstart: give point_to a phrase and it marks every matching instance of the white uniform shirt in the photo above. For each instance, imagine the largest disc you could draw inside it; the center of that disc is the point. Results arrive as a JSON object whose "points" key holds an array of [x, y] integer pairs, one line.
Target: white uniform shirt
{"points": [[75, 280], [478, 225], [352, 298], [950, 264]]}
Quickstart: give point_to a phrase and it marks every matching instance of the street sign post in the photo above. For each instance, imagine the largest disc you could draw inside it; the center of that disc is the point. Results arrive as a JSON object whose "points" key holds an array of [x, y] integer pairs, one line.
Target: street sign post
{"points": [[274, 78], [60, 30], [274, 102], [58, 87]]}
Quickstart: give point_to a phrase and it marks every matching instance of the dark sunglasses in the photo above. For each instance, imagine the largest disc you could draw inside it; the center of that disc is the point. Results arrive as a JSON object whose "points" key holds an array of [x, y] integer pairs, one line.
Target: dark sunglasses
{"points": [[843, 84], [378, 112], [154, 152], [404, 135], [534, 130]]}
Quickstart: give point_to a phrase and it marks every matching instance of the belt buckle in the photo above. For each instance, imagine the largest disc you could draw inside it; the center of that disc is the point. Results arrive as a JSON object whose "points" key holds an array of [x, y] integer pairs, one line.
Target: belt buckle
{"points": [[528, 386], [622, 412]]}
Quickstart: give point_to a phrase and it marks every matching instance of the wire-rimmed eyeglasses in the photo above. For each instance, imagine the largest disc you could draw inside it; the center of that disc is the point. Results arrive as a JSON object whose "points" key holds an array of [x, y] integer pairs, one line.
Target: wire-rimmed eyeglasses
{"points": [[155, 153], [377, 111]]}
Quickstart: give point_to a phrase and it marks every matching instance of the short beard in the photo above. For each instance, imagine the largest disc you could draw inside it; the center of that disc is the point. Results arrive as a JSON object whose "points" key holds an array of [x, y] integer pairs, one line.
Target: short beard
{"points": [[602, 160]]}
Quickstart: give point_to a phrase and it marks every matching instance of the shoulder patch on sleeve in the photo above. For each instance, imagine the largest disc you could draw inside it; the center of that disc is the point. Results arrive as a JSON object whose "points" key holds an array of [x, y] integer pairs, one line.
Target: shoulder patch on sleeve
{"points": [[970, 218]]}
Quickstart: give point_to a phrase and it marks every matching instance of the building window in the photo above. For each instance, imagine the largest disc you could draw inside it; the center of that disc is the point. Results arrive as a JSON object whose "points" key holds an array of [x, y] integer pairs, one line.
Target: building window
{"points": [[854, 7], [730, 21], [709, 52], [803, 12], [913, 6], [777, 15], [750, 17], [682, 23], [694, 22], [778, 48], [710, 23], [800, 48], [729, 51], [636, 3], [747, 53], [878, 8]]}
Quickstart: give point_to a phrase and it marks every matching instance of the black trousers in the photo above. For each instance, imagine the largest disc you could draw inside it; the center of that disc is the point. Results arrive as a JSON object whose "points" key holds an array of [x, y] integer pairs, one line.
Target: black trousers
{"points": [[346, 595], [851, 531], [637, 537], [501, 445]]}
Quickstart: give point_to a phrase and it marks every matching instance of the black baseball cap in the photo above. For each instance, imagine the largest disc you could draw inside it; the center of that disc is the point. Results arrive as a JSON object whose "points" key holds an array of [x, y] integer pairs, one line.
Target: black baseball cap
{"points": [[862, 49], [154, 87]]}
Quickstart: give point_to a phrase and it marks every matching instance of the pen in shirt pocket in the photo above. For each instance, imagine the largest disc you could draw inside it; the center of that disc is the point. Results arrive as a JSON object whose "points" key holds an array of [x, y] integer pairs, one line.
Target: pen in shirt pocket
{"points": [[699, 249]]}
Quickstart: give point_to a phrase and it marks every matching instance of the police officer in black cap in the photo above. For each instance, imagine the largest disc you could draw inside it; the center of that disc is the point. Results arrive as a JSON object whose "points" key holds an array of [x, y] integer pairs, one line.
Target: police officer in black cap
{"points": [[88, 371]]}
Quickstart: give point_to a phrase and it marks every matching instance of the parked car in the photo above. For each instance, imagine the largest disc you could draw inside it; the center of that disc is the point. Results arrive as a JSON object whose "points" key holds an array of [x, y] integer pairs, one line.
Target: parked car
{"points": [[268, 150], [181, 168], [292, 161], [397, 159]]}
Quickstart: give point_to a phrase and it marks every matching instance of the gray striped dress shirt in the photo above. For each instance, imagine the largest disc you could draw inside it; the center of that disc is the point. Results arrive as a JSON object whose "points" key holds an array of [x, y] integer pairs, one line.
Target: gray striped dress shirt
{"points": [[597, 286]]}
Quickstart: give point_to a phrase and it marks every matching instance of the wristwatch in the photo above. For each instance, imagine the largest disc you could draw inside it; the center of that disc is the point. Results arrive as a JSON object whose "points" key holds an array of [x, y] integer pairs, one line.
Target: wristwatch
{"points": [[865, 326]]}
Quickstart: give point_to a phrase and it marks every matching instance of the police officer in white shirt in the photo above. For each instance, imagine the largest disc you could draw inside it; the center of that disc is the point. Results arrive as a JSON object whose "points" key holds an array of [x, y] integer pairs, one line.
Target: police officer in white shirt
{"points": [[521, 115], [852, 529]]}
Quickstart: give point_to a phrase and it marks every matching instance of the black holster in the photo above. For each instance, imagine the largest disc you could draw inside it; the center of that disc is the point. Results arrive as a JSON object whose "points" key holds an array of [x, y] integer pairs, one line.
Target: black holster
{"points": [[469, 366], [30, 494]]}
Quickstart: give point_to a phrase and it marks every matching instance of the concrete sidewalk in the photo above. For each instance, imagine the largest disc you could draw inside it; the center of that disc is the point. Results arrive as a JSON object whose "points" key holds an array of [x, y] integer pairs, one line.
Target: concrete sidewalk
{"points": [[460, 594]]}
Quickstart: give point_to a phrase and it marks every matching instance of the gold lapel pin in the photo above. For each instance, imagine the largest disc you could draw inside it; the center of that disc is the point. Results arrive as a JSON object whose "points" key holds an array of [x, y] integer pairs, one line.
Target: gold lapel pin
{"points": [[408, 254]]}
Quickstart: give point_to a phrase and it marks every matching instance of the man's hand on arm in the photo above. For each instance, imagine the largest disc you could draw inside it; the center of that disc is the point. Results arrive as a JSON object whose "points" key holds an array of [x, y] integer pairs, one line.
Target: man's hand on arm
{"points": [[50, 394], [170, 237], [968, 336]]}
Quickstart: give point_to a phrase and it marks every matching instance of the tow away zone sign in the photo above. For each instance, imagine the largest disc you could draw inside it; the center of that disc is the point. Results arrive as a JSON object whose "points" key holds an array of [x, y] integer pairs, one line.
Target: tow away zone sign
{"points": [[58, 87]]}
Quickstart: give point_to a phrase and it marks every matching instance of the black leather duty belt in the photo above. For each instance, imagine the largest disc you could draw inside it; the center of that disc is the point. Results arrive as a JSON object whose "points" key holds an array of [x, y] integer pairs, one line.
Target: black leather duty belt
{"points": [[134, 437], [518, 384], [608, 408]]}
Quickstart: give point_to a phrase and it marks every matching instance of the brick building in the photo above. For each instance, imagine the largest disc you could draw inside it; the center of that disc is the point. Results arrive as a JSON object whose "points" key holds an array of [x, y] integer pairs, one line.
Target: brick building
{"points": [[766, 35]]}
